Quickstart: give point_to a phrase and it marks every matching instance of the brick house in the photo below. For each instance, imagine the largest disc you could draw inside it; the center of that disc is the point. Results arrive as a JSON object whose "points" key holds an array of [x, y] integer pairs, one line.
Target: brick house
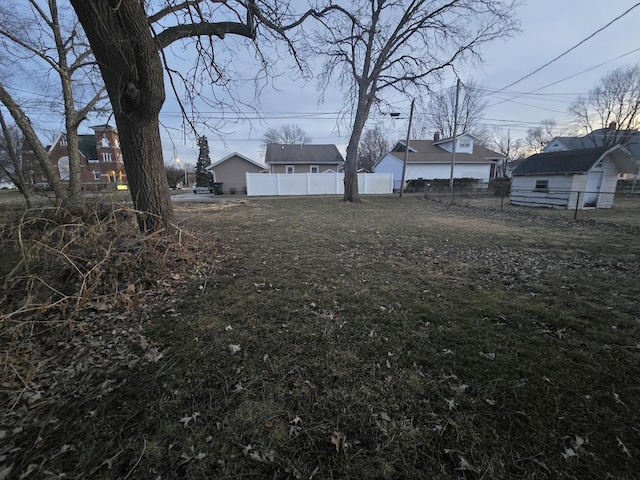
{"points": [[100, 158]]}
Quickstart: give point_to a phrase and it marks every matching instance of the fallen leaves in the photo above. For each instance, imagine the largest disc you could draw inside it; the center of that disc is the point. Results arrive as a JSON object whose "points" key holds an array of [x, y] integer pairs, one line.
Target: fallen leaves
{"points": [[339, 439]]}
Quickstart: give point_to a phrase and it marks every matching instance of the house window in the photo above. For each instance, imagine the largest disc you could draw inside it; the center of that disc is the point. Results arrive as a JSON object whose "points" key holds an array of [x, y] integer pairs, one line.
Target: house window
{"points": [[63, 141], [63, 168], [600, 162], [96, 174], [106, 157], [541, 186], [465, 144], [289, 169], [314, 169], [104, 141]]}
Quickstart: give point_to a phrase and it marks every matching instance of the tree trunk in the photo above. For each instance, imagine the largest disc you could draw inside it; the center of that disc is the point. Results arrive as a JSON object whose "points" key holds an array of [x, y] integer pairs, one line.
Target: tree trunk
{"points": [[351, 172], [131, 67], [41, 154], [351, 164]]}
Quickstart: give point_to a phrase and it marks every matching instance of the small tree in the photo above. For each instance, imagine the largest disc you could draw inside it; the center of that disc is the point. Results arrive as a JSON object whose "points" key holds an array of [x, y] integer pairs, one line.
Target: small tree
{"points": [[373, 145], [538, 137], [502, 142], [202, 176], [11, 161], [471, 108], [287, 134], [613, 102], [174, 175]]}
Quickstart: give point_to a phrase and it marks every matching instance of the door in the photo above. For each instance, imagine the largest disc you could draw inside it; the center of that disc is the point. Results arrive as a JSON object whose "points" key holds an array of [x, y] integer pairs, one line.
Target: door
{"points": [[592, 190]]}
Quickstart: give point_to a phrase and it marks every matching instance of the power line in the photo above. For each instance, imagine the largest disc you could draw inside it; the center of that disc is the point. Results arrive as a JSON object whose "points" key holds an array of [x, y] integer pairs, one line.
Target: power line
{"points": [[521, 94], [571, 49]]}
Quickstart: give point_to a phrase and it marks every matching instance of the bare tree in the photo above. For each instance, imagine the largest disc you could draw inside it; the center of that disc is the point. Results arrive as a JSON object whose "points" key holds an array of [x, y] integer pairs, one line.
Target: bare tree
{"points": [[471, 108], [11, 161], [502, 142], [404, 47], [30, 136], [128, 40], [613, 102], [287, 134], [373, 145], [52, 37], [538, 137]]}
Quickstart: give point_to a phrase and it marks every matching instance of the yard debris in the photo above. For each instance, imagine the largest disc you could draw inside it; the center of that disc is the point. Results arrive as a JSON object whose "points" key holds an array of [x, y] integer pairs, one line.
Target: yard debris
{"points": [[188, 419], [234, 349], [623, 447], [339, 439]]}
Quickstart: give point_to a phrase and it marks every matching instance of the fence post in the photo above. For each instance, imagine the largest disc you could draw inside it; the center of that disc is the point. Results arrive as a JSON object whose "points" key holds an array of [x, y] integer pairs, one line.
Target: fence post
{"points": [[575, 213], [501, 199]]}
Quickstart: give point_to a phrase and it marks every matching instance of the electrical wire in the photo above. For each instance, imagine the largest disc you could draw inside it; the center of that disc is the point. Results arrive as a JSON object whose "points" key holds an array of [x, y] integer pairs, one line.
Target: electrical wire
{"points": [[570, 49]]}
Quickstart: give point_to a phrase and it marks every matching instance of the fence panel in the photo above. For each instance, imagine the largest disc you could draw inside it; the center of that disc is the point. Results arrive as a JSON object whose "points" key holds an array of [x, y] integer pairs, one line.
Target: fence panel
{"points": [[274, 184]]}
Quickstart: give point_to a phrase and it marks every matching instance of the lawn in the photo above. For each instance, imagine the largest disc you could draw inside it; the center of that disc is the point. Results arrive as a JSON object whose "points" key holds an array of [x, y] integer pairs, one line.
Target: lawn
{"points": [[394, 338]]}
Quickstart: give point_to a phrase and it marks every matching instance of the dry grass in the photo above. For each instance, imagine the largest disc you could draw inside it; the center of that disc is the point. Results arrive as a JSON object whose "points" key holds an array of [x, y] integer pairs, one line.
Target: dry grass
{"points": [[389, 339]]}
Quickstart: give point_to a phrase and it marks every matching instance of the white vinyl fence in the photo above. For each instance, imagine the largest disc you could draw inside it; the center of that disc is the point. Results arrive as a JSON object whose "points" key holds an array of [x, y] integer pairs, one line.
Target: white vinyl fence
{"points": [[272, 184]]}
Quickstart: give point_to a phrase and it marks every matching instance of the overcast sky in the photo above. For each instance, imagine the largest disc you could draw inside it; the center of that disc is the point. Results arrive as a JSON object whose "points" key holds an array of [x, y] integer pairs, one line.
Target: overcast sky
{"points": [[549, 28]]}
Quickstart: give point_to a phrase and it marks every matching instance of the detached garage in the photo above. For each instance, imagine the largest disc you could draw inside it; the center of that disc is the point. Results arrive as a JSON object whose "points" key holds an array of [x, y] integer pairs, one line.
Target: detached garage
{"points": [[584, 178]]}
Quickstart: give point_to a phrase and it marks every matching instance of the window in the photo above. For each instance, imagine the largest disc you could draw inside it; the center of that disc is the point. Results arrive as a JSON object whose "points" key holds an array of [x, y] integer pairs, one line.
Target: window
{"points": [[96, 174], [314, 169], [465, 143], [63, 168], [63, 141], [289, 169], [600, 162], [106, 157], [105, 141], [541, 186]]}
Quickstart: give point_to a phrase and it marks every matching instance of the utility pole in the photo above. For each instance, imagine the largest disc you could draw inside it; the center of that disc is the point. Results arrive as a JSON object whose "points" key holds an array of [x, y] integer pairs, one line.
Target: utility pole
{"points": [[455, 134], [406, 149]]}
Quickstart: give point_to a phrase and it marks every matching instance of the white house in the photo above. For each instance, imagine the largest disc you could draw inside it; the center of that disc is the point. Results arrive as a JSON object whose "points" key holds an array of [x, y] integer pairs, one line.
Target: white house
{"points": [[583, 178], [431, 159]]}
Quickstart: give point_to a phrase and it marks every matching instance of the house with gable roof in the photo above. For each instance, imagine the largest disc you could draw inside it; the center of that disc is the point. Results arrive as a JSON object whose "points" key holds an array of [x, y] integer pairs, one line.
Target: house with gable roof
{"points": [[303, 158], [101, 158], [581, 178], [598, 138], [232, 171], [431, 160]]}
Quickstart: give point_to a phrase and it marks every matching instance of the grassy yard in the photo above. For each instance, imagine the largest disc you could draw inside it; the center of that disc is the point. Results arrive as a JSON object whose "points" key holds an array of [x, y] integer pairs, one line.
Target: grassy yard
{"points": [[391, 339]]}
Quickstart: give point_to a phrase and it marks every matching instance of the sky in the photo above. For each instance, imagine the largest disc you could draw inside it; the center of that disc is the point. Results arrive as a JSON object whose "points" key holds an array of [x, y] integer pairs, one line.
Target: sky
{"points": [[548, 29]]}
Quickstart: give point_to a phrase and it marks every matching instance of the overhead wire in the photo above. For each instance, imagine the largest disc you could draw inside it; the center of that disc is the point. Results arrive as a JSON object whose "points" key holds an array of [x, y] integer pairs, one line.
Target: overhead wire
{"points": [[570, 49]]}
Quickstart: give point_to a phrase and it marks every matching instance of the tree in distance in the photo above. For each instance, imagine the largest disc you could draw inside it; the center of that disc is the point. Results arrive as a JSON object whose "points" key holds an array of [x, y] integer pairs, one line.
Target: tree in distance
{"points": [[287, 134], [376, 46]]}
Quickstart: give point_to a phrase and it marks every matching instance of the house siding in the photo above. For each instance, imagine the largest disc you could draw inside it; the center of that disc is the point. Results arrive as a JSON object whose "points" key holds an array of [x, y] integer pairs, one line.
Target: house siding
{"points": [[304, 167], [232, 173], [564, 190]]}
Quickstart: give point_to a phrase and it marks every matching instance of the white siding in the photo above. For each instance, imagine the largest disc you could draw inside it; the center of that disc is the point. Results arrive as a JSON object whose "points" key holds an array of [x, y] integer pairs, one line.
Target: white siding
{"points": [[390, 164]]}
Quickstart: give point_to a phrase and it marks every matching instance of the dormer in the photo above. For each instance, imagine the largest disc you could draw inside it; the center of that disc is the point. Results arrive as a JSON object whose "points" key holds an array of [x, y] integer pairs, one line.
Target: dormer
{"points": [[464, 143]]}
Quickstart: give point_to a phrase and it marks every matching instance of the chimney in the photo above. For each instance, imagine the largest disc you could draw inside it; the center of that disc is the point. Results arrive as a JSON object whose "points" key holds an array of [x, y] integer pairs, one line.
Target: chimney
{"points": [[613, 126], [436, 137]]}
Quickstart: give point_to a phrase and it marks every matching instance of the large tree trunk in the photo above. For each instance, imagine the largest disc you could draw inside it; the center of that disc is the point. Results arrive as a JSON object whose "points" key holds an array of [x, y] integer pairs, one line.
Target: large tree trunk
{"points": [[130, 64], [351, 172], [351, 164]]}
